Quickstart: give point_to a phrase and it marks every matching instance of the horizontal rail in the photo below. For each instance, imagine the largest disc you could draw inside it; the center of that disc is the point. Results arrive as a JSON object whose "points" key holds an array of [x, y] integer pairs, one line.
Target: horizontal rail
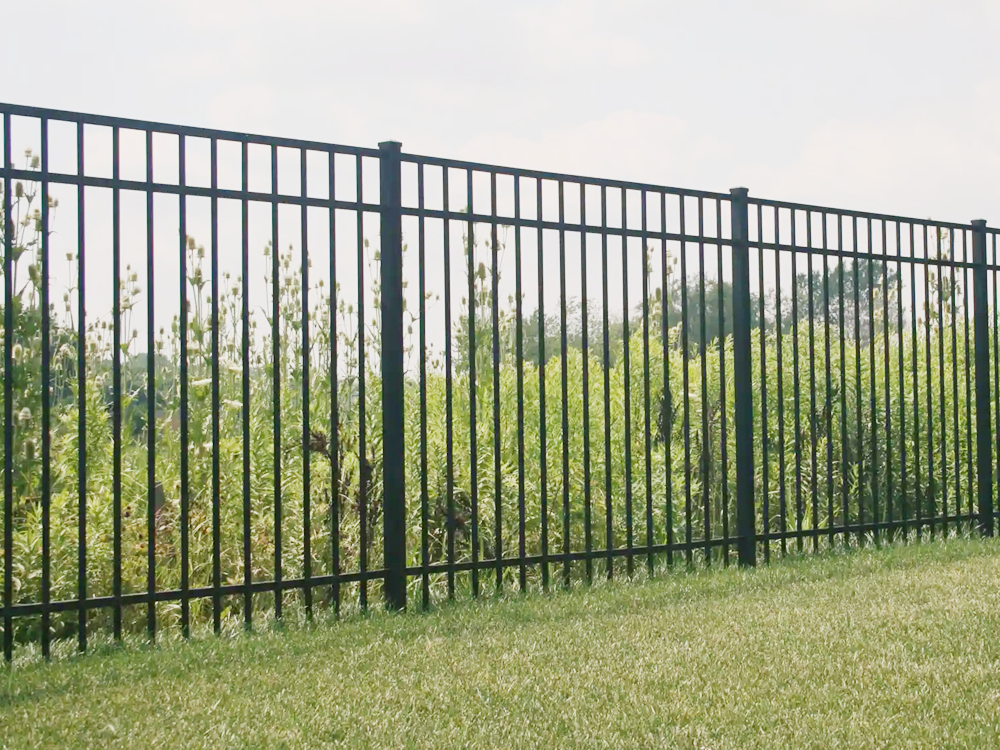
{"points": [[861, 255], [561, 226], [142, 186], [413, 571], [559, 177], [855, 528], [890, 218], [250, 138], [194, 132], [561, 557], [200, 592]]}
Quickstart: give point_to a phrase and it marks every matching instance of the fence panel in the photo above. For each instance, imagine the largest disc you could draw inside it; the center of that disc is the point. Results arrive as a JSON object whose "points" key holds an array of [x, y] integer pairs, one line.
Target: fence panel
{"points": [[520, 460], [875, 429], [245, 374], [191, 389]]}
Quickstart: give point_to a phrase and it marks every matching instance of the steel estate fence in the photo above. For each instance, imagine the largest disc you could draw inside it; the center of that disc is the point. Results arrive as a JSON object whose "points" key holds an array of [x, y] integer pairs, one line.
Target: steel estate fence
{"points": [[201, 432]]}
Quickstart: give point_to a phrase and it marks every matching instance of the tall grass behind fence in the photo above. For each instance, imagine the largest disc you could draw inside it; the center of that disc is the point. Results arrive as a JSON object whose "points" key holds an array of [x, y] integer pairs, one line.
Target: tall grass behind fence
{"points": [[194, 361]]}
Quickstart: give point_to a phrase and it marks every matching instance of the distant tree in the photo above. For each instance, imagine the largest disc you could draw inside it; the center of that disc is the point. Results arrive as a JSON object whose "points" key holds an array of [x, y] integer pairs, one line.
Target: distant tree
{"points": [[852, 289]]}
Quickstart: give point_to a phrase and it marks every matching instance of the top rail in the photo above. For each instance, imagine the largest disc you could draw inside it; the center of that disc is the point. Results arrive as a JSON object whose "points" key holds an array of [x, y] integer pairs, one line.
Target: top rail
{"points": [[251, 138], [767, 203], [195, 132], [560, 177]]}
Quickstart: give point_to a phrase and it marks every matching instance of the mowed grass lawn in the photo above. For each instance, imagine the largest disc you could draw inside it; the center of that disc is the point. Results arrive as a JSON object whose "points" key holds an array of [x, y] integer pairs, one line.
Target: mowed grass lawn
{"points": [[894, 648]]}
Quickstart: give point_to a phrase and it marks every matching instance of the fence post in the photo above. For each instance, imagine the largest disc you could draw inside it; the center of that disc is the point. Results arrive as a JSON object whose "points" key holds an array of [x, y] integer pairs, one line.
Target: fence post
{"points": [[393, 477], [746, 527], [984, 433]]}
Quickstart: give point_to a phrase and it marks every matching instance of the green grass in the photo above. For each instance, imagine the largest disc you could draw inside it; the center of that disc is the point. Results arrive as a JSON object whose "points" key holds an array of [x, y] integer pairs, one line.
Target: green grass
{"points": [[878, 648]]}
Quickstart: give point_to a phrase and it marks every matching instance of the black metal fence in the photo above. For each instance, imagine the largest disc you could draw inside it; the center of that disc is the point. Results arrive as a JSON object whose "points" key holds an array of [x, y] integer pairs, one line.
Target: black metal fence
{"points": [[454, 372]]}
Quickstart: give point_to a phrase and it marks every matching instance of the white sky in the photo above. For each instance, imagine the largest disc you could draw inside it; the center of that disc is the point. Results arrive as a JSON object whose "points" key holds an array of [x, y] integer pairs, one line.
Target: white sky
{"points": [[885, 105]]}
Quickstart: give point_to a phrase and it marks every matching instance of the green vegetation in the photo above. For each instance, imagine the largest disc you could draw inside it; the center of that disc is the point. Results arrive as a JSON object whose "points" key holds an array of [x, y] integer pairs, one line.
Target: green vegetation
{"points": [[868, 649], [849, 448]]}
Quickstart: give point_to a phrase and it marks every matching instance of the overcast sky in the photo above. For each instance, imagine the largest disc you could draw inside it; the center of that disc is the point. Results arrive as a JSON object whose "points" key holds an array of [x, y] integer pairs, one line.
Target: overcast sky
{"points": [[883, 105]]}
